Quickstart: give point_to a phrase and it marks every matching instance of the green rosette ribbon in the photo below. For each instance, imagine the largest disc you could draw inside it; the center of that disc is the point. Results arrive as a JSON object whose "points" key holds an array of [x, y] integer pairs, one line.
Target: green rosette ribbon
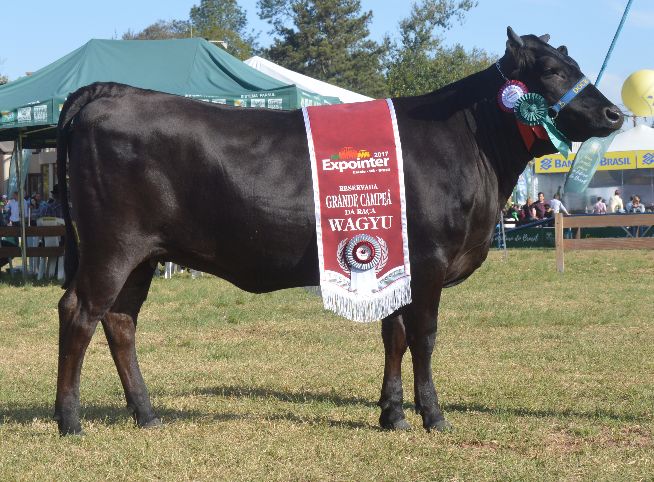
{"points": [[531, 109], [562, 144]]}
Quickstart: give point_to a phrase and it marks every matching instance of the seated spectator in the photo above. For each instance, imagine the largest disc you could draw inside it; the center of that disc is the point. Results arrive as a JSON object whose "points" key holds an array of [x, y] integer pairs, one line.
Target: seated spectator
{"points": [[637, 206], [629, 205], [513, 213], [599, 207], [528, 212]]}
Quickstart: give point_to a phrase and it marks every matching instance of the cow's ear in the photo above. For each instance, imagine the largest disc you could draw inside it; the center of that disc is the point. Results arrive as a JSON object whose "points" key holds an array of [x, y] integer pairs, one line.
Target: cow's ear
{"points": [[563, 49], [514, 41], [545, 38]]}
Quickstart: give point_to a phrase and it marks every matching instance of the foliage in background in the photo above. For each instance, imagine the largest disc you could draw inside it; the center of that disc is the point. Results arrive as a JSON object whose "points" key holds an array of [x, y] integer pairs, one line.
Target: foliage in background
{"points": [[420, 63], [3, 78], [420, 74], [328, 40], [223, 21], [161, 30]]}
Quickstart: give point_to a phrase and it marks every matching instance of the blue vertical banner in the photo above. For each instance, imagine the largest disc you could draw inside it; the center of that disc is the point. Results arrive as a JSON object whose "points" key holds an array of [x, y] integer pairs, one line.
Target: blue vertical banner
{"points": [[522, 188], [12, 184]]}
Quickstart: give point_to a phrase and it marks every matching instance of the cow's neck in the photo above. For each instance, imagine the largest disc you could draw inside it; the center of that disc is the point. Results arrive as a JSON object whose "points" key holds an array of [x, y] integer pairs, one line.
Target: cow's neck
{"points": [[496, 131]]}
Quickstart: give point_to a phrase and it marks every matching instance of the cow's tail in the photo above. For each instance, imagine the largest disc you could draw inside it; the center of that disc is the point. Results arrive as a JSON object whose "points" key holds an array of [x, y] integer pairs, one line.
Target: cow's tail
{"points": [[73, 105]]}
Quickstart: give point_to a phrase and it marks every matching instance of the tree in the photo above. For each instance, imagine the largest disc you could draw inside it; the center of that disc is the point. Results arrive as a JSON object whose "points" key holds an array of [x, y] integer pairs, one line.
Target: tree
{"points": [[223, 21], [420, 74], [3, 78], [327, 40], [161, 30], [226, 22], [420, 63]]}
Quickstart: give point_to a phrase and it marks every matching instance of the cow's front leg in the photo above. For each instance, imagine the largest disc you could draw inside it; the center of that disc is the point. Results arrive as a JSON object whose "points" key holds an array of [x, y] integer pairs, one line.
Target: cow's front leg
{"points": [[392, 415], [420, 319]]}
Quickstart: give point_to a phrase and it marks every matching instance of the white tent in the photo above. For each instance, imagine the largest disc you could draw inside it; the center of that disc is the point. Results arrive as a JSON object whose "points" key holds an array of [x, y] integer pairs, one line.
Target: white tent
{"points": [[628, 165], [304, 82], [639, 138]]}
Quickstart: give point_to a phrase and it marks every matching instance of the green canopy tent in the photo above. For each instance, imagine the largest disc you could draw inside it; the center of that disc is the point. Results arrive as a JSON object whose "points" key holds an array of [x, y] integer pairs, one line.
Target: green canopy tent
{"points": [[188, 67], [195, 68]]}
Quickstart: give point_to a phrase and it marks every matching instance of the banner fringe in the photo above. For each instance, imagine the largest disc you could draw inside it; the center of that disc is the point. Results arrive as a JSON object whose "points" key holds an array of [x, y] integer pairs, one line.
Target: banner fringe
{"points": [[371, 308]]}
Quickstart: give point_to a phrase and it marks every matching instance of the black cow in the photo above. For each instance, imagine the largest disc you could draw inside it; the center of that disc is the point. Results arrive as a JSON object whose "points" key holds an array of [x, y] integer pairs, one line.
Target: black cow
{"points": [[142, 165]]}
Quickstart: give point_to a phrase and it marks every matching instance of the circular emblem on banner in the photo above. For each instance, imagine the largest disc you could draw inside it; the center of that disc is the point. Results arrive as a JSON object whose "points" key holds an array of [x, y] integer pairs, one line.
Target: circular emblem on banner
{"points": [[363, 252], [509, 94]]}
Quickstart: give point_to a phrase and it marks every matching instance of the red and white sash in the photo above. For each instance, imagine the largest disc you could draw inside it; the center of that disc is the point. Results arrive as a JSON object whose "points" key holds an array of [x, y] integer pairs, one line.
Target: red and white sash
{"points": [[358, 189]]}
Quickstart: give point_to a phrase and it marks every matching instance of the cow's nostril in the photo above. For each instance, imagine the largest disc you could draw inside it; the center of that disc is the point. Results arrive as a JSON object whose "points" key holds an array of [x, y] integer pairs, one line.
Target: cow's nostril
{"points": [[613, 114]]}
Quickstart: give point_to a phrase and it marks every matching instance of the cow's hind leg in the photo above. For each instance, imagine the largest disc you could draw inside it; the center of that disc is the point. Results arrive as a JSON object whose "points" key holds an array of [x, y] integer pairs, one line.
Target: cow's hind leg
{"points": [[76, 327], [120, 328], [393, 335], [87, 299]]}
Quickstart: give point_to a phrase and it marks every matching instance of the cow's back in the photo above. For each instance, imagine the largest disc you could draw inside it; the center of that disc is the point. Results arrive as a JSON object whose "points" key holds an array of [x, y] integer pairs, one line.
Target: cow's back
{"points": [[222, 189]]}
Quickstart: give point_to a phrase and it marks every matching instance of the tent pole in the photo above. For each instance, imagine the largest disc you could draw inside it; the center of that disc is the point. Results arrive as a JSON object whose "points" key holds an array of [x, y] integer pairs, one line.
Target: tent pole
{"points": [[21, 203], [506, 253]]}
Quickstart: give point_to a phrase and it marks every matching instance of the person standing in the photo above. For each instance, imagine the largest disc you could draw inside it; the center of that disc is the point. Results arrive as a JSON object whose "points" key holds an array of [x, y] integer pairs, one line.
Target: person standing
{"points": [[3, 210], [615, 203], [557, 205], [54, 207], [37, 208], [539, 206], [14, 214]]}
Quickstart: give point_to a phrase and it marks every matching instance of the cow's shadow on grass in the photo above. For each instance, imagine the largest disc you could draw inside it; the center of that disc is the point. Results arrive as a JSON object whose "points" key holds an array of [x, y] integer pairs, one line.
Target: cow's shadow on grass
{"points": [[100, 413], [17, 281], [303, 397], [335, 399], [114, 414]]}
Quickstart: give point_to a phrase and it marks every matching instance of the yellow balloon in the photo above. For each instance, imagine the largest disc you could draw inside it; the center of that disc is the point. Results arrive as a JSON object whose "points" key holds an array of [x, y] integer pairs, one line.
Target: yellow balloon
{"points": [[638, 92]]}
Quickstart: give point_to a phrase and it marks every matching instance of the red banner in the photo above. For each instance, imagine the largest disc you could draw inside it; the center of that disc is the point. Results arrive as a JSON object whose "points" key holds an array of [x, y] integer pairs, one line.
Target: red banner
{"points": [[358, 184]]}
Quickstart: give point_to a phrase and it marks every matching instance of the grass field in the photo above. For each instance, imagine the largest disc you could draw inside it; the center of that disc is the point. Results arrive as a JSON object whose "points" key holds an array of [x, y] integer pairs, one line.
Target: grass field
{"points": [[544, 377]]}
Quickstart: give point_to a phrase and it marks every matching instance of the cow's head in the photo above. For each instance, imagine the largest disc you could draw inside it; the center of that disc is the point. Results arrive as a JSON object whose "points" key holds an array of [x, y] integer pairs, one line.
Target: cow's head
{"points": [[551, 73]]}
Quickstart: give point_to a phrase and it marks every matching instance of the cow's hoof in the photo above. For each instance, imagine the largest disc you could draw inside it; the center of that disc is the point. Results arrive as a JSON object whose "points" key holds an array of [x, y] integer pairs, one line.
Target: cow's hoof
{"points": [[153, 423], [398, 424], [440, 426], [70, 429]]}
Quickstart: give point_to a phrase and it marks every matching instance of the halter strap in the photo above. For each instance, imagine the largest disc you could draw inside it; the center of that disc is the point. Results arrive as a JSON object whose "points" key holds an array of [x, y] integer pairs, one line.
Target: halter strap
{"points": [[569, 95]]}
